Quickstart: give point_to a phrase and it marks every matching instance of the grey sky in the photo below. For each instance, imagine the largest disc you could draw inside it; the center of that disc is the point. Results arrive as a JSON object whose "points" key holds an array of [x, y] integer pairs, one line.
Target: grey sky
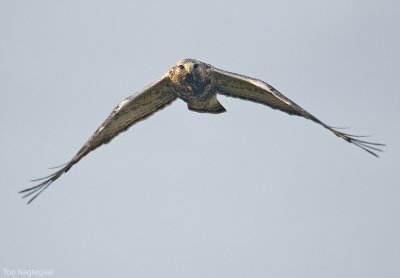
{"points": [[249, 193]]}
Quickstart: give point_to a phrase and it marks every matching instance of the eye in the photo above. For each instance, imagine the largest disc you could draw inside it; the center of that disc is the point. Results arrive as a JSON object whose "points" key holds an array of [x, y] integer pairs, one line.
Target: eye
{"points": [[196, 66], [181, 67]]}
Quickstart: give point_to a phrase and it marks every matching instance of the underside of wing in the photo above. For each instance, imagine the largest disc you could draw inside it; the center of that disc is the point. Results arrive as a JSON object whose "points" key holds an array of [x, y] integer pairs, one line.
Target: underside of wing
{"points": [[128, 112], [247, 88]]}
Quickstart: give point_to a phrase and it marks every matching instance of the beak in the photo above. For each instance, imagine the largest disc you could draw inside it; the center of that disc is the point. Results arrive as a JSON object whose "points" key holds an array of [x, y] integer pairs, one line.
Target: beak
{"points": [[189, 67]]}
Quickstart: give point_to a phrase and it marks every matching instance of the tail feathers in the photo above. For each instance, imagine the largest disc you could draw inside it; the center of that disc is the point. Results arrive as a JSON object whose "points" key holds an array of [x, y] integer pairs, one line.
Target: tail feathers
{"points": [[212, 106]]}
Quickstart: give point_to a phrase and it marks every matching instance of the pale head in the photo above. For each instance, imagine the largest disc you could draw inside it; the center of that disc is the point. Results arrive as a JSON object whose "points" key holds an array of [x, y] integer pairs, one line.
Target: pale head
{"points": [[188, 68]]}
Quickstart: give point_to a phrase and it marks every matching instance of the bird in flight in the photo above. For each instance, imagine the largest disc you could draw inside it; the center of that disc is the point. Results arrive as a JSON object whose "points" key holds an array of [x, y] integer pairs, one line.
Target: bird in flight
{"points": [[197, 84]]}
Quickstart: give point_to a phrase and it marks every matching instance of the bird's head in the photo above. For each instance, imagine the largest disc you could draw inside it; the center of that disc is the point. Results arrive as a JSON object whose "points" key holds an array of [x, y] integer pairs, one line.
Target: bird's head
{"points": [[189, 69]]}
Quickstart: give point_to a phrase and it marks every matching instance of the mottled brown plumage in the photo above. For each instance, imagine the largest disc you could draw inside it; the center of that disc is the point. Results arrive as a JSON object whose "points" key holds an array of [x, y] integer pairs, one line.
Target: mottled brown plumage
{"points": [[197, 84]]}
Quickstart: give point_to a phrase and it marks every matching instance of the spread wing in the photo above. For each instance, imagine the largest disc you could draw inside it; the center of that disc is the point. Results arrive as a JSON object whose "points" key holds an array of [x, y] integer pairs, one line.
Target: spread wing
{"points": [[247, 88], [131, 110]]}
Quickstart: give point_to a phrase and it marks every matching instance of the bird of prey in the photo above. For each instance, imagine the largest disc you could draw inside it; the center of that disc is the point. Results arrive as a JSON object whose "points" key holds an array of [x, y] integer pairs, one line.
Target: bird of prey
{"points": [[198, 84]]}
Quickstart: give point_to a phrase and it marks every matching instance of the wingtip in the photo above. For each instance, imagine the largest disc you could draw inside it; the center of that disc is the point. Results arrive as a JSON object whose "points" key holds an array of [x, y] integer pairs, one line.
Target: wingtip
{"points": [[34, 190], [370, 147]]}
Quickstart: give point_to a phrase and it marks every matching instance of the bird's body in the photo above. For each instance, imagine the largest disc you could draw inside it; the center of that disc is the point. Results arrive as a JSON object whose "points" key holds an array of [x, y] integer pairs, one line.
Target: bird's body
{"points": [[194, 85], [197, 84]]}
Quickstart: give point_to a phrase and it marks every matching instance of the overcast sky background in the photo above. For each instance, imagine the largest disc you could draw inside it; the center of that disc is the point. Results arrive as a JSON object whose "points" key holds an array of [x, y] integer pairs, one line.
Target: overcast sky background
{"points": [[249, 193]]}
